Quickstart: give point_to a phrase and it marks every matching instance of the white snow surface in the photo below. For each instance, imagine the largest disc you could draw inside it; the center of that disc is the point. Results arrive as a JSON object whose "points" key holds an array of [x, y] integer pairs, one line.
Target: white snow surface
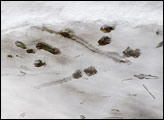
{"points": [[106, 94]]}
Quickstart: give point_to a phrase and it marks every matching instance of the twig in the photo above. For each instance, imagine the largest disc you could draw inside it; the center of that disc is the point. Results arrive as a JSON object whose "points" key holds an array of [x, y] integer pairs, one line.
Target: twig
{"points": [[149, 91], [127, 79], [54, 82]]}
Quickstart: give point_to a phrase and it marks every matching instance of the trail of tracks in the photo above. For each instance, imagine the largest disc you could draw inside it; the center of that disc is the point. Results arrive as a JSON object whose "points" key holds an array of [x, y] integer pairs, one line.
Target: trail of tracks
{"points": [[54, 82], [112, 55]]}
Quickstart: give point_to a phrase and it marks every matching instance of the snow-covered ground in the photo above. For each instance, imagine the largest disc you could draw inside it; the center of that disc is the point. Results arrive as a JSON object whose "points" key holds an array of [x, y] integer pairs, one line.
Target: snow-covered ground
{"points": [[114, 92]]}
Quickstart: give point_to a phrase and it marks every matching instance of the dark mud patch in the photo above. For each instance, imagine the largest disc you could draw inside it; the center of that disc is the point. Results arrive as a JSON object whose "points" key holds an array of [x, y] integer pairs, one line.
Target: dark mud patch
{"points": [[159, 44], [48, 48], [20, 44], [107, 28], [159, 32], [90, 71], [128, 52], [77, 74], [30, 51], [39, 63], [9, 56], [104, 41], [67, 33]]}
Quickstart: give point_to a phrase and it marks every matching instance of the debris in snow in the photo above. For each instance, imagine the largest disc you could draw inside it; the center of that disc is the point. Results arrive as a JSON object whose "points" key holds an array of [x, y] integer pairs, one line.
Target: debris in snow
{"points": [[61, 81], [9, 56], [157, 32], [23, 114], [23, 73], [107, 29], [149, 91], [142, 76], [82, 116], [90, 71], [104, 40], [115, 110], [131, 53], [39, 63], [115, 56], [48, 48], [20, 44], [160, 44], [127, 79], [77, 74], [66, 34], [19, 56], [30, 51]]}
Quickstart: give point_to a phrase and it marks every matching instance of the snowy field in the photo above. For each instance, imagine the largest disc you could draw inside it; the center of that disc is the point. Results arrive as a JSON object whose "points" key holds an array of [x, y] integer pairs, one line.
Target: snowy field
{"points": [[123, 87]]}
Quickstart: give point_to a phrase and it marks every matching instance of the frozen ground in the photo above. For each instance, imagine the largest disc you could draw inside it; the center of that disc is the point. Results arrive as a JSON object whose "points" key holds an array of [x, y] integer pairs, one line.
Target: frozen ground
{"points": [[114, 92]]}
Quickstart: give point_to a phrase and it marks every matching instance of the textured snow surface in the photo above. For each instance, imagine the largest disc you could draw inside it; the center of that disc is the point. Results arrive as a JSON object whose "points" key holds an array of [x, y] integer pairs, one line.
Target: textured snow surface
{"points": [[115, 91]]}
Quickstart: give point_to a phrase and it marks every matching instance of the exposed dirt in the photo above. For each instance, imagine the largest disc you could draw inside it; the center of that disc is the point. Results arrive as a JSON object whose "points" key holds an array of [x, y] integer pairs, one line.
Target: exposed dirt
{"points": [[9, 56], [104, 40], [160, 44], [128, 52], [90, 71], [30, 51], [48, 48], [112, 55], [107, 29], [39, 63], [77, 74]]}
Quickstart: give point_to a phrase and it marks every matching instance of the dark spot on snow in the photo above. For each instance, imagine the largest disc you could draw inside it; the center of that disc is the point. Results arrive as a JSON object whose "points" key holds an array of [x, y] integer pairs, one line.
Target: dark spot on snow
{"points": [[90, 71], [48, 48], [107, 29], [65, 34], [30, 51], [20, 44], [19, 56], [82, 116], [77, 74], [128, 52], [39, 63], [23, 114], [104, 40], [23, 73], [143, 76], [160, 44], [157, 32], [115, 110], [9, 56]]}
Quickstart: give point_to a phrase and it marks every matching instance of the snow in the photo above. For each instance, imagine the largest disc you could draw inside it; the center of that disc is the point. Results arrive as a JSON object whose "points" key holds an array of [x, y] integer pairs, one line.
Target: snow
{"points": [[96, 96]]}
